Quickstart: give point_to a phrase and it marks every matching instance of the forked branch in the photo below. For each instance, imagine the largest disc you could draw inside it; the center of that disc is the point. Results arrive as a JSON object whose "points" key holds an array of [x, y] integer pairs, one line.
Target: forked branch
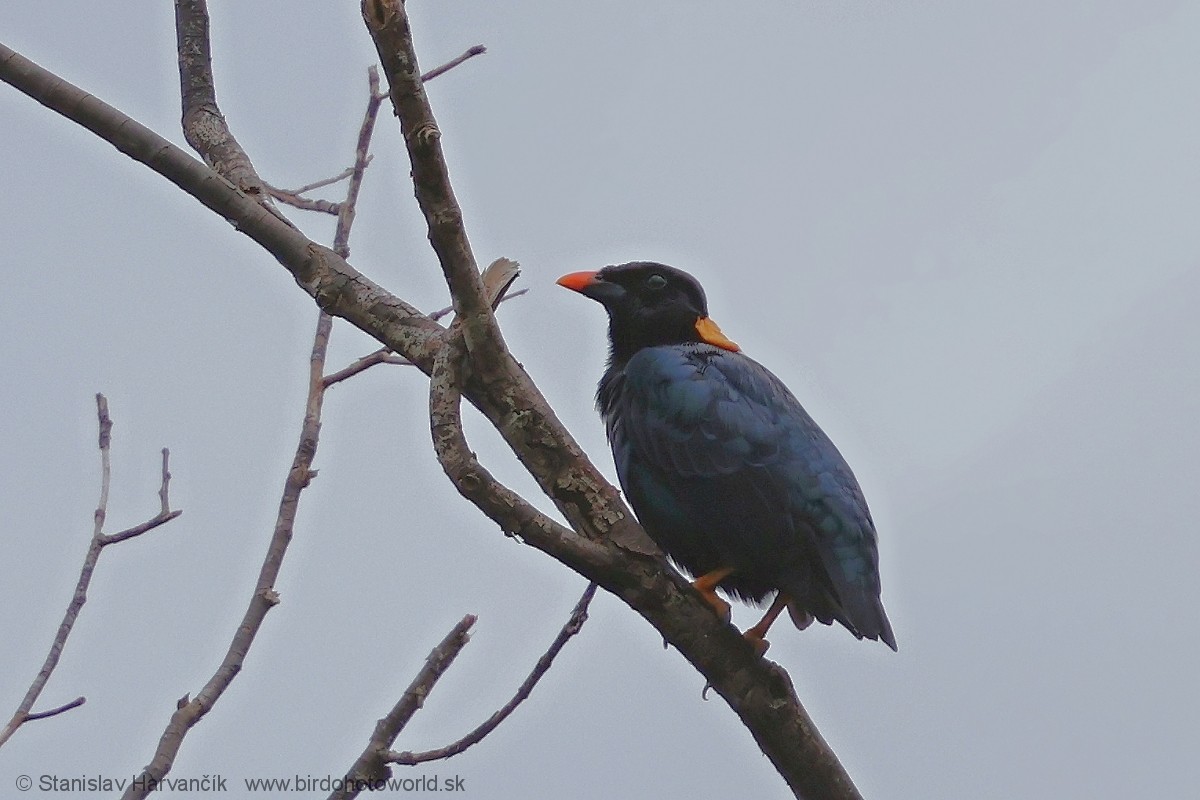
{"points": [[370, 770], [100, 540], [573, 625]]}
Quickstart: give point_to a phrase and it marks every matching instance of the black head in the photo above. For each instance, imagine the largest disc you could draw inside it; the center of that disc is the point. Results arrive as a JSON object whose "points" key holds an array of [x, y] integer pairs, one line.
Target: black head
{"points": [[648, 304]]}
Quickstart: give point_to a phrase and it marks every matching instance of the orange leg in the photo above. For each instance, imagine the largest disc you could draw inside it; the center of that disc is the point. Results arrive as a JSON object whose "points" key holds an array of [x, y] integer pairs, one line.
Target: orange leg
{"points": [[757, 635], [706, 586]]}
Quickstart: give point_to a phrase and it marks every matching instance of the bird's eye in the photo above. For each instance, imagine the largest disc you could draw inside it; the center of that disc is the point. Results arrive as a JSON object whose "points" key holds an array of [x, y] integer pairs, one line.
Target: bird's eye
{"points": [[656, 282]]}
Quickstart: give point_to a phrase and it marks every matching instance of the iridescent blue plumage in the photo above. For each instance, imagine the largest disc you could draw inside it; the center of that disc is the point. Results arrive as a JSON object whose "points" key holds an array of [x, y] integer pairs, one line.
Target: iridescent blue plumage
{"points": [[724, 468]]}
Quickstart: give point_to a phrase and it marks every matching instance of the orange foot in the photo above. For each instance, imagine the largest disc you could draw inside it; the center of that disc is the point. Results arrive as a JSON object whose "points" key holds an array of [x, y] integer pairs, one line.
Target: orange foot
{"points": [[706, 585], [757, 635], [759, 644]]}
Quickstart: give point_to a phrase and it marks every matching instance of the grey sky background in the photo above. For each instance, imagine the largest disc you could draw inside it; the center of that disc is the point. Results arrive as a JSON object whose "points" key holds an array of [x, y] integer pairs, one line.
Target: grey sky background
{"points": [[964, 234]]}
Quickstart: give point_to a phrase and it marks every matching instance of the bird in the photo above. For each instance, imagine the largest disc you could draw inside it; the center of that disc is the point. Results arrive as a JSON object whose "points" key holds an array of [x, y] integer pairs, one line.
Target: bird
{"points": [[725, 470]]}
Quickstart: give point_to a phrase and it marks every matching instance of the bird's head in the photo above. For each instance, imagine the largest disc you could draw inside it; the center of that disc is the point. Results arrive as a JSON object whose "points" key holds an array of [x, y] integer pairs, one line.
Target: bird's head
{"points": [[649, 304]]}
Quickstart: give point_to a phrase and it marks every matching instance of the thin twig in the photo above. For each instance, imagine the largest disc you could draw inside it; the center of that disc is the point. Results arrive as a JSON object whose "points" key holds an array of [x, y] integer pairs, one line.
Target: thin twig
{"points": [[477, 50], [161, 518], [190, 711], [572, 627], [362, 158], [308, 187], [304, 203], [370, 769], [99, 541], [385, 356], [329, 279], [293, 196], [164, 497], [380, 356], [444, 312], [54, 712]]}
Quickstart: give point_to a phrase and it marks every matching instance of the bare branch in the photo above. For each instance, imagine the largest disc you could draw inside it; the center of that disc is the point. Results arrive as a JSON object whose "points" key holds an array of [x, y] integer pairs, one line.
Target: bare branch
{"points": [[385, 356], [573, 625], [138, 530], [164, 516], [302, 203], [362, 157], [513, 513], [448, 310], [371, 769], [203, 126], [337, 287], [98, 542], [388, 24], [54, 712], [477, 50], [380, 356], [621, 558], [164, 494], [188, 712], [341, 176]]}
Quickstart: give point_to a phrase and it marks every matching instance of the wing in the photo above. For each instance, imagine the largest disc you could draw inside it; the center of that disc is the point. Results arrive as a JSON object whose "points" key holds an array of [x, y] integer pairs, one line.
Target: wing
{"points": [[713, 436]]}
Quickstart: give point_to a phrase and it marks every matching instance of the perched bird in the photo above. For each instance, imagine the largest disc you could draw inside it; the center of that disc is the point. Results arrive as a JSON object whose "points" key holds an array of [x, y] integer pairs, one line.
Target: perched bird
{"points": [[723, 467]]}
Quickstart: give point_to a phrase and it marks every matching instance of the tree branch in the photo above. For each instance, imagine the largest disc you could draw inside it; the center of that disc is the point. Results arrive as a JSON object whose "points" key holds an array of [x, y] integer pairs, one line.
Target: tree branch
{"points": [[341, 176], [99, 541], [54, 712], [626, 563], [164, 516], [387, 21], [477, 50], [385, 356], [620, 557], [203, 125], [302, 203], [573, 625], [264, 598], [337, 287], [380, 356], [371, 768]]}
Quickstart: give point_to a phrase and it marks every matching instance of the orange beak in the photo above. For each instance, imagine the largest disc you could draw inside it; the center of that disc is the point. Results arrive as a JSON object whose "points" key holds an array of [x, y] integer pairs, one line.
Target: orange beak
{"points": [[577, 281]]}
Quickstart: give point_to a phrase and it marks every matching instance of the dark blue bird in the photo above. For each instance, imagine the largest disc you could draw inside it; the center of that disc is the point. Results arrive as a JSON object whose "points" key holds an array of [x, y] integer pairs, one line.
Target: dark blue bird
{"points": [[723, 467]]}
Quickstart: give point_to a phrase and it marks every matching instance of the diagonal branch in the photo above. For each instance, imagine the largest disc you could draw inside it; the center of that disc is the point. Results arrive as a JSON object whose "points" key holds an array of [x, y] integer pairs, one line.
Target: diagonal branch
{"points": [[471, 52], [264, 598], [337, 287], [573, 625], [100, 540], [387, 21], [370, 770], [759, 691], [513, 513], [620, 556], [54, 712]]}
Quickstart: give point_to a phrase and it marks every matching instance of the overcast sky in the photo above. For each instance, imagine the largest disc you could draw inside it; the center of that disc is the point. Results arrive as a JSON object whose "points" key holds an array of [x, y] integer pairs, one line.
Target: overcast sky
{"points": [[965, 234]]}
